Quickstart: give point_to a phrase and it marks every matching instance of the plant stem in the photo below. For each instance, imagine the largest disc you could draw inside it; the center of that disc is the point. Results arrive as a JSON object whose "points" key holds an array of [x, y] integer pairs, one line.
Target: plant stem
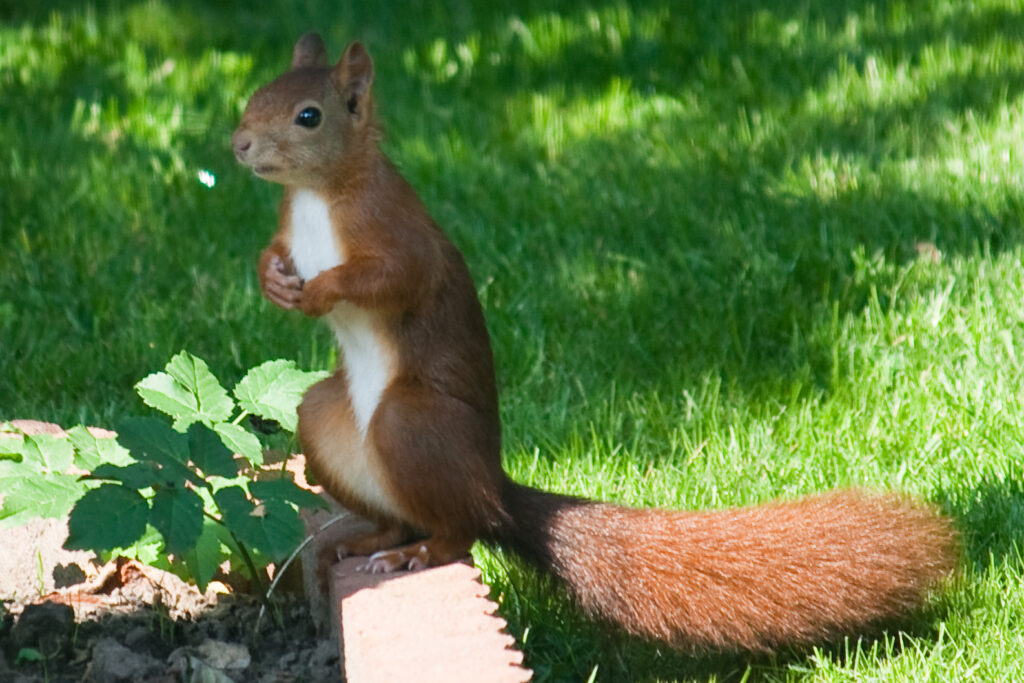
{"points": [[291, 558], [264, 595]]}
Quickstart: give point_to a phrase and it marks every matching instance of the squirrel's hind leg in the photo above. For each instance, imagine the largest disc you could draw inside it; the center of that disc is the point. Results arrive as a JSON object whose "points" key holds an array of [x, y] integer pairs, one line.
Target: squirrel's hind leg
{"points": [[440, 461]]}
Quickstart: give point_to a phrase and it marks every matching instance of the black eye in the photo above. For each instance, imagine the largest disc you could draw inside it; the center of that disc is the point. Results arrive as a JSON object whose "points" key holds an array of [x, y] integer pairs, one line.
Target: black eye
{"points": [[309, 117]]}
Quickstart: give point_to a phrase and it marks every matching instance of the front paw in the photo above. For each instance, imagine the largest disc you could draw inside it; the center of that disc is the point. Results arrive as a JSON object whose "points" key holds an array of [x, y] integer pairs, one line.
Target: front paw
{"points": [[316, 300], [280, 285]]}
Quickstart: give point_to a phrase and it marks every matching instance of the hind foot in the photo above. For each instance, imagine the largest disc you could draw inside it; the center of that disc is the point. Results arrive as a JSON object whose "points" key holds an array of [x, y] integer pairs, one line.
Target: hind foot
{"points": [[364, 544], [431, 552]]}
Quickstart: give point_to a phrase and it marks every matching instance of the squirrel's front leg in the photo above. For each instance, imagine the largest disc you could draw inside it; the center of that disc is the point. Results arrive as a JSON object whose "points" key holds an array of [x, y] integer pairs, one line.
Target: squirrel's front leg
{"points": [[319, 295], [370, 282], [278, 280]]}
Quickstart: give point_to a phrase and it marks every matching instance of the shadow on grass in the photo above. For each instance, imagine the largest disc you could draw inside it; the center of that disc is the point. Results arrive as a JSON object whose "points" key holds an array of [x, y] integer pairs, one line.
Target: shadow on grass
{"points": [[991, 519]]}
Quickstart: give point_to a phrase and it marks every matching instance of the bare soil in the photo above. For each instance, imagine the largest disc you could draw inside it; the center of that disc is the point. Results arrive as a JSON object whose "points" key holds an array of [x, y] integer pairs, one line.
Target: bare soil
{"points": [[133, 623]]}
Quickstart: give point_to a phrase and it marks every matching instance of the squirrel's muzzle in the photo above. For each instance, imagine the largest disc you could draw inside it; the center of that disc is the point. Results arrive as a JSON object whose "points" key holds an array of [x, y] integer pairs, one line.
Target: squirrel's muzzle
{"points": [[241, 141]]}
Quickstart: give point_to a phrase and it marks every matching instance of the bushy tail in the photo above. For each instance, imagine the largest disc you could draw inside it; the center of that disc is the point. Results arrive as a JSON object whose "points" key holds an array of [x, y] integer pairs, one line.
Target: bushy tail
{"points": [[757, 578]]}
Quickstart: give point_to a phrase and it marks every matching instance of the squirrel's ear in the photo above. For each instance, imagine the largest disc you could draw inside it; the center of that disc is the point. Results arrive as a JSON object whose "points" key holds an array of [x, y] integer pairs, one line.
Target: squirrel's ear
{"points": [[309, 51], [353, 77]]}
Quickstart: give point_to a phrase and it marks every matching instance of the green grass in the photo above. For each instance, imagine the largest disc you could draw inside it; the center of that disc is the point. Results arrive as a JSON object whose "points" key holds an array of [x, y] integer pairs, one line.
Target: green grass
{"points": [[728, 252]]}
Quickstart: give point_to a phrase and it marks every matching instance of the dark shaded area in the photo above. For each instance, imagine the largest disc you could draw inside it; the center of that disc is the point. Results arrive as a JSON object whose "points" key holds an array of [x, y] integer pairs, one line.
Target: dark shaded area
{"points": [[68, 649], [991, 519]]}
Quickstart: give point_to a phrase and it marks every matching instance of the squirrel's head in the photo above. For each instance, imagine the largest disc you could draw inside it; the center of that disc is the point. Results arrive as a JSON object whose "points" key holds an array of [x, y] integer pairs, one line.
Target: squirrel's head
{"points": [[300, 128]]}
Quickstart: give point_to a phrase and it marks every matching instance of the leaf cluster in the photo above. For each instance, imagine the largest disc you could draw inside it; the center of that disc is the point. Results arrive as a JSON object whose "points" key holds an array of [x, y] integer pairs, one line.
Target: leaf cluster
{"points": [[189, 494]]}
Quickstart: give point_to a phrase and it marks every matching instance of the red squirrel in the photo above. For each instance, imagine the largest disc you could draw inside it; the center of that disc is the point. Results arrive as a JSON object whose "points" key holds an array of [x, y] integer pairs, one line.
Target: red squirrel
{"points": [[406, 431]]}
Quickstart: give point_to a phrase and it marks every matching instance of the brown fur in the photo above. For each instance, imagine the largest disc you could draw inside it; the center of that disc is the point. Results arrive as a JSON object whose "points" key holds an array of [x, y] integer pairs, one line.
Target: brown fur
{"points": [[754, 578]]}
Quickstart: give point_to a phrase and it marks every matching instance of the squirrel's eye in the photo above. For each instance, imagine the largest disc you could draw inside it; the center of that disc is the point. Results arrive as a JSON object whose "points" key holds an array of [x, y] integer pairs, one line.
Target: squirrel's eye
{"points": [[309, 117]]}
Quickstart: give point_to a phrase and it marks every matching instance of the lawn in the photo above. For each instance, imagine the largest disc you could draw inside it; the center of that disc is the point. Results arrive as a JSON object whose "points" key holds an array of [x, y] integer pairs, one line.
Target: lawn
{"points": [[728, 252]]}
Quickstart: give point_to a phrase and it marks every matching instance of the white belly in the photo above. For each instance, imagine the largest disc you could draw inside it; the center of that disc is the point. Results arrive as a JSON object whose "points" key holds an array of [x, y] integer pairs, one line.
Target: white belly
{"points": [[369, 364]]}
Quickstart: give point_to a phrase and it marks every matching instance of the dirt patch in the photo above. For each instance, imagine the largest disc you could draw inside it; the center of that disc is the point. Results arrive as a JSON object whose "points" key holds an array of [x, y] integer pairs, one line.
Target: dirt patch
{"points": [[131, 622]]}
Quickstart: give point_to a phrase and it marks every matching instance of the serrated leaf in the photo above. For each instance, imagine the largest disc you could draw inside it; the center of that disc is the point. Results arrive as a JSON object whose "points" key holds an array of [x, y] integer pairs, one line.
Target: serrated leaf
{"points": [[214, 404], [286, 490], [205, 558], [218, 483], [42, 495], [187, 391], [209, 453], [149, 438], [110, 516], [10, 446], [177, 513], [161, 391], [152, 440], [91, 451], [137, 475], [233, 502], [51, 453], [274, 390], [273, 528], [147, 549], [283, 527], [240, 441], [18, 465]]}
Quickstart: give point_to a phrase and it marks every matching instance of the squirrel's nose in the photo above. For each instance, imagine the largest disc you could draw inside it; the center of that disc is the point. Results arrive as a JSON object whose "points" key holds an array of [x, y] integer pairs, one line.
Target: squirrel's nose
{"points": [[242, 142]]}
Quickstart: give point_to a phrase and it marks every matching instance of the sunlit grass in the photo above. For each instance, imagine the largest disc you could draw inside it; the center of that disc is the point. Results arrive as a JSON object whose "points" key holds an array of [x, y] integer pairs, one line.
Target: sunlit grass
{"points": [[729, 253]]}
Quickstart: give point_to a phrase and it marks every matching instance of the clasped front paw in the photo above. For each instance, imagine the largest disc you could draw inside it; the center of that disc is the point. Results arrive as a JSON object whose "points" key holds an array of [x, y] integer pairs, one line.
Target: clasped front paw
{"points": [[281, 286]]}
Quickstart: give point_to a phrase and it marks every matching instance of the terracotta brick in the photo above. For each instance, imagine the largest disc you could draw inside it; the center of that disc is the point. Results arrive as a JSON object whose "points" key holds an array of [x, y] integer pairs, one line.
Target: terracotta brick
{"points": [[431, 625]]}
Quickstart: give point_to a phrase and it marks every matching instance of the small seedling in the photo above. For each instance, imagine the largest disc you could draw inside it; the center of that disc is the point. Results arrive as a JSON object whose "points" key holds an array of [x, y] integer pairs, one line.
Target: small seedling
{"points": [[29, 654]]}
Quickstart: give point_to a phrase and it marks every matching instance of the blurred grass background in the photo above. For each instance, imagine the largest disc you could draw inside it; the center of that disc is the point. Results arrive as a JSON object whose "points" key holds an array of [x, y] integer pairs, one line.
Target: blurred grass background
{"points": [[727, 251]]}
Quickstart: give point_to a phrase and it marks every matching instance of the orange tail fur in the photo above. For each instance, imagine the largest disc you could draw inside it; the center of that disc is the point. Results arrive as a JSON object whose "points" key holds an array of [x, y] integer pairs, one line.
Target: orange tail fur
{"points": [[755, 578]]}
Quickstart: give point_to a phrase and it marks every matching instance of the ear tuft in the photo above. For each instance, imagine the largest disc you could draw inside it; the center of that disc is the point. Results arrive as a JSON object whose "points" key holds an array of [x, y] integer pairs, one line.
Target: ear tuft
{"points": [[309, 51], [353, 76]]}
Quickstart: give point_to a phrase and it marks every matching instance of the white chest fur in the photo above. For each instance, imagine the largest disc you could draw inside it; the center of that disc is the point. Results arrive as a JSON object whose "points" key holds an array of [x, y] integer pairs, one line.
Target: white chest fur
{"points": [[368, 360], [314, 246]]}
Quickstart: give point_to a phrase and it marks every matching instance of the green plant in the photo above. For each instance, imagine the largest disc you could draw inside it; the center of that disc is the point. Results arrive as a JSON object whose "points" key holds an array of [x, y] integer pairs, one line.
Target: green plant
{"points": [[38, 657], [182, 490], [29, 654], [40, 474]]}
